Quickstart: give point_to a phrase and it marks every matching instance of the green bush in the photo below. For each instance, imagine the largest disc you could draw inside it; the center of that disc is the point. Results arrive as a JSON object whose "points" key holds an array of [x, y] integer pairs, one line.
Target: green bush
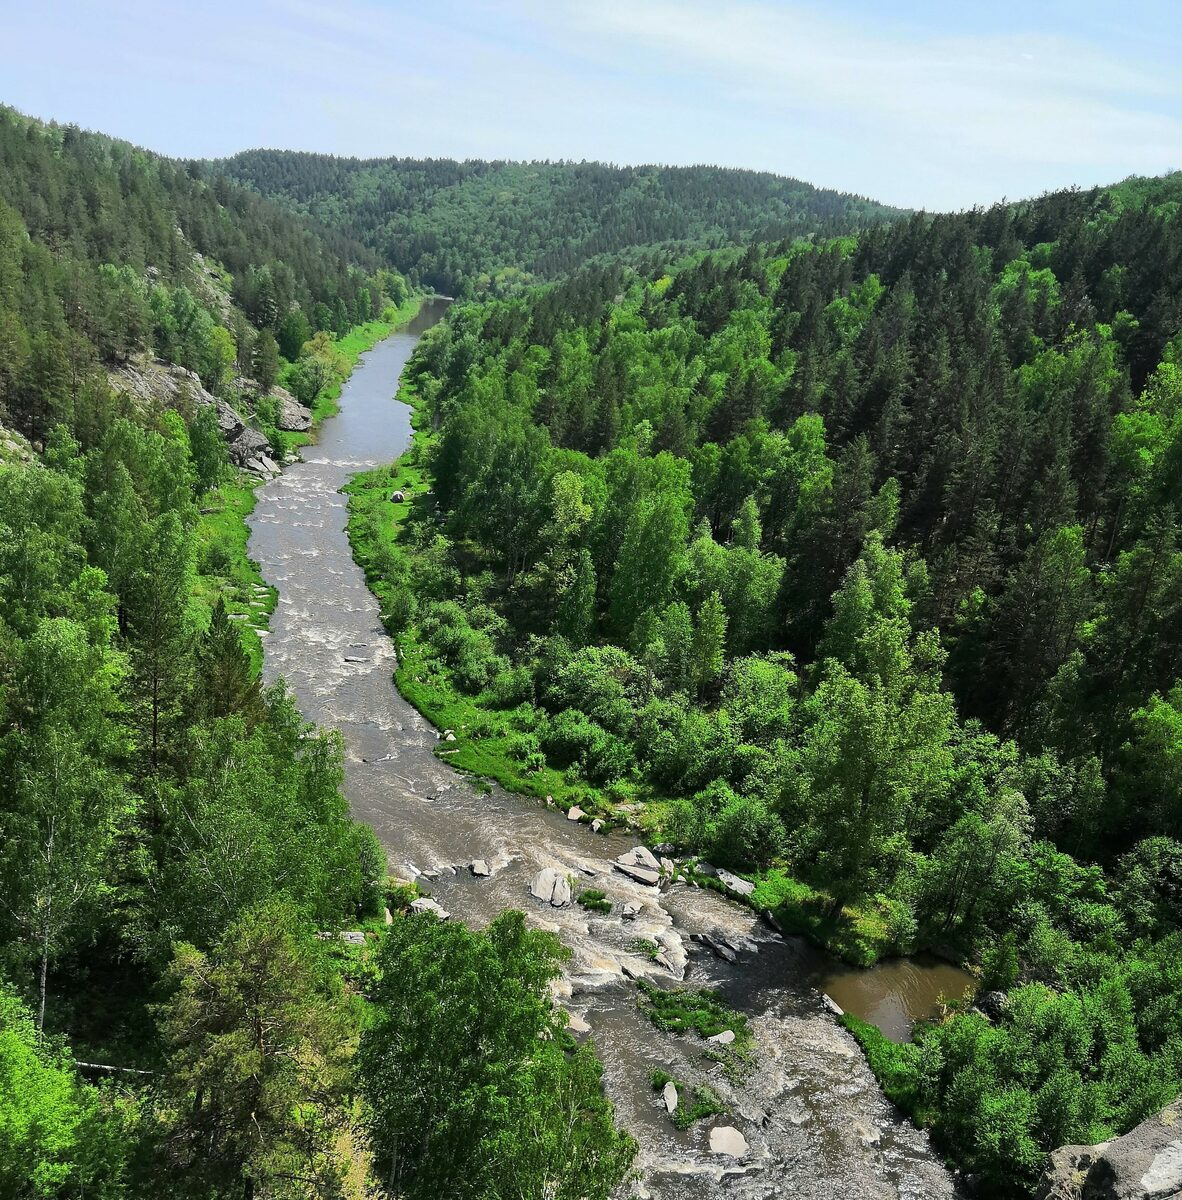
{"points": [[571, 738], [595, 900]]}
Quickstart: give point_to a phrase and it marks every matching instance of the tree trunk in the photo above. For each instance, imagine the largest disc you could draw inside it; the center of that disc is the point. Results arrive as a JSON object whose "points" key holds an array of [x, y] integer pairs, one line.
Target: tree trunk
{"points": [[44, 968]]}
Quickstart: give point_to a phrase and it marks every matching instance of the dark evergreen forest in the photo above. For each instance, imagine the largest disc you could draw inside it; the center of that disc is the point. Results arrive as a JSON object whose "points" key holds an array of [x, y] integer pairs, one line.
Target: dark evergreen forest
{"points": [[474, 227]]}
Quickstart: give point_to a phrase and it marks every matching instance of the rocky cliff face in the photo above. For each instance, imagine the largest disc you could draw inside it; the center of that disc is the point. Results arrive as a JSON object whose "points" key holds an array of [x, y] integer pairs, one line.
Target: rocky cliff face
{"points": [[1145, 1164], [155, 382]]}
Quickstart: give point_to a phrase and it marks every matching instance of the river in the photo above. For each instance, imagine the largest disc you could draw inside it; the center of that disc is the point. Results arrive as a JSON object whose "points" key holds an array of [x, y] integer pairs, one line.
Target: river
{"points": [[815, 1120]]}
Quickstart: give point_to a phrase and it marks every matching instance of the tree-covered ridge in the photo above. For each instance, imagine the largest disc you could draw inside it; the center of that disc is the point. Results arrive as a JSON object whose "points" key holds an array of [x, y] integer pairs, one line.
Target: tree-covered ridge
{"points": [[107, 251], [469, 226], [865, 556], [92, 197]]}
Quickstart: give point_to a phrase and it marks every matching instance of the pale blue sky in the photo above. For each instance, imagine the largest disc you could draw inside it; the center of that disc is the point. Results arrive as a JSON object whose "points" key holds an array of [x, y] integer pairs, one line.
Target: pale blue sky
{"points": [[917, 103]]}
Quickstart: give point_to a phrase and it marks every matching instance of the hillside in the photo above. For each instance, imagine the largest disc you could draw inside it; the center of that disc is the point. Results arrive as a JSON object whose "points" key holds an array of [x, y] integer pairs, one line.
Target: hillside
{"points": [[465, 227], [860, 565], [108, 251]]}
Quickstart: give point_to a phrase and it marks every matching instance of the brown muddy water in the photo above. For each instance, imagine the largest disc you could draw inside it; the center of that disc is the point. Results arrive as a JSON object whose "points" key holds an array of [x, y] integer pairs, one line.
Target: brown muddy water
{"points": [[895, 994], [815, 1121]]}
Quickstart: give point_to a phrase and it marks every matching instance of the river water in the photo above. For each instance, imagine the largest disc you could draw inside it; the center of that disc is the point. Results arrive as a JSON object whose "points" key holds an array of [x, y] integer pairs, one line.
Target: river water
{"points": [[815, 1120]]}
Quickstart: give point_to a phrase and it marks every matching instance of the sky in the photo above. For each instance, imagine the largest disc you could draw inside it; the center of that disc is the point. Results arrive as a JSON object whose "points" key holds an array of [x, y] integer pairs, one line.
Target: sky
{"points": [[923, 104]]}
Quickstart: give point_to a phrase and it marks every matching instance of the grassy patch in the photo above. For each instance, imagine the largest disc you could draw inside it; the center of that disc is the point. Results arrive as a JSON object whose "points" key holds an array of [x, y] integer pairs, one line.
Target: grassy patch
{"points": [[645, 948], [595, 900], [859, 934], [693, 1103], [682, 1010], [224, 567]]}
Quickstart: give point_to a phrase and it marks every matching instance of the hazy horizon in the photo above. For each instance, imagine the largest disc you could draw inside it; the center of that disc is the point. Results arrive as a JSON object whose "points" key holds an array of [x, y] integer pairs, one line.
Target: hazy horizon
{"points": [[921, 107]]}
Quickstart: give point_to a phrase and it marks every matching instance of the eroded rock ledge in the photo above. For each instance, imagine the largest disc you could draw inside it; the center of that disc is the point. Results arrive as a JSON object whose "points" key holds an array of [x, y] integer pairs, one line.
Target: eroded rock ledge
{"points": [[1145, 1164]]}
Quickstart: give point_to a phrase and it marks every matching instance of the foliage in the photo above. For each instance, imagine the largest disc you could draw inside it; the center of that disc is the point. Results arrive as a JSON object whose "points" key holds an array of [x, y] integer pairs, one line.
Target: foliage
{"points": [[491, 226], [469, 1090], [257, 1035]]}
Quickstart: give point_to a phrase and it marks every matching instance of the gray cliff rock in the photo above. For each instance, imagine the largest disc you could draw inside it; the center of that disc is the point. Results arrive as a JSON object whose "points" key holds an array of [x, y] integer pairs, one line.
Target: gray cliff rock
{"points": [[1145, 1164]]}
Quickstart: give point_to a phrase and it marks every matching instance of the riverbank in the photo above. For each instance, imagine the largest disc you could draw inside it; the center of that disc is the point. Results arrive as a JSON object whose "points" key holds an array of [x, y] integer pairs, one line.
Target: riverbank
{"points": [[813, 1119]]}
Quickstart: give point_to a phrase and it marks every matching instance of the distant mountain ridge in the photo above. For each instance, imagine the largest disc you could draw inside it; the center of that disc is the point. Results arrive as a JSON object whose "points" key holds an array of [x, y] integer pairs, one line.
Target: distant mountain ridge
{"points": [[481, 225]]}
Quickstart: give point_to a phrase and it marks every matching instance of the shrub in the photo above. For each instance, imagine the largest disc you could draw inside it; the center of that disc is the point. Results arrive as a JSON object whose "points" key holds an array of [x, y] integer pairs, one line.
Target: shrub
{"points": [[605, 682], [747, 834], [571, 738], [595, 900], [511, 687], [372, 862]]}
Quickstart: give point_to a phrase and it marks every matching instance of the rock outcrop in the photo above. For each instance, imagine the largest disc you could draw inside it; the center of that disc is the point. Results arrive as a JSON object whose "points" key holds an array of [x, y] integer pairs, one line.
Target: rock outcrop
{"points": [[293, 417], [152, 382], [1145, 1164]]}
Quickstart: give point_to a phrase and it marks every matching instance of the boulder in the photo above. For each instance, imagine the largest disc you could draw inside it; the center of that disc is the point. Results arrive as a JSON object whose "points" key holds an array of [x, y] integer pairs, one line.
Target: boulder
{"points": [[673, 956], [449, 736], [639, 856], [735, 885], [1145, 1164], [640, 874], [551, 886], [398, 498], [353, 937], [724, 1038], [832, 1005], [247, 444], [992, 1004], [575, 813], [718, 946], [596, 825], [630, 911], [669, 1095], [726, 1139], [479, 868], [424, 904]]}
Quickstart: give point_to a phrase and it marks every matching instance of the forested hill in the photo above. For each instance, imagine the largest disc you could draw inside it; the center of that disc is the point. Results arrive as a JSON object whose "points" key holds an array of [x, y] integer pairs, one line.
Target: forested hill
{"points": [[464, 227], [861, 562], [107, 249]]}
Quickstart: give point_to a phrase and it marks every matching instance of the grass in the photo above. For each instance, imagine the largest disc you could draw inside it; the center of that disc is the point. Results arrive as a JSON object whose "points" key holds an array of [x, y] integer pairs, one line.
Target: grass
{"points": [[682, 1010], [644, 947], [595, 900], [693, 1103], [224, 567], [858, 933]]}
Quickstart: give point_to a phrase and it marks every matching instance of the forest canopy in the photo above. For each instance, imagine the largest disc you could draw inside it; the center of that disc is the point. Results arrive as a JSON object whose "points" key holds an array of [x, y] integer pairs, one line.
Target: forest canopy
{"points": [[471, 227]]}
